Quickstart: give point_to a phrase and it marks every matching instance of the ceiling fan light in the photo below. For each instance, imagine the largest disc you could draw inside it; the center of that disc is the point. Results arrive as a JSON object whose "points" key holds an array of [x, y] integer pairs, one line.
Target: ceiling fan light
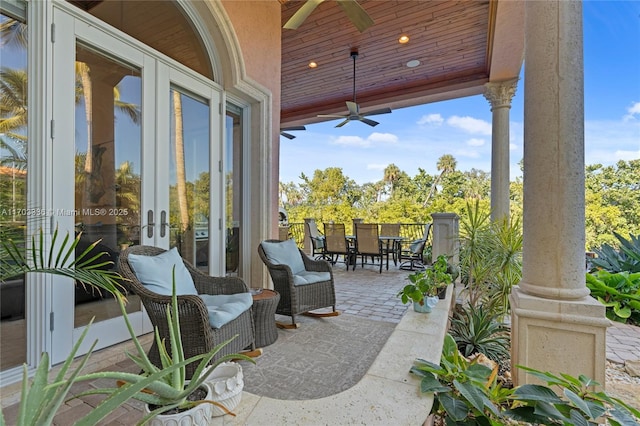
{"points": [[413, 63]]}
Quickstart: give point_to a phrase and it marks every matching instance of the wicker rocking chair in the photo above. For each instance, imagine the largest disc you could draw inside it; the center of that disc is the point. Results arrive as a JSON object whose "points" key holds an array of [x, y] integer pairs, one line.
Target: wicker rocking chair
{"points": [[198, 336], [300, 291]]}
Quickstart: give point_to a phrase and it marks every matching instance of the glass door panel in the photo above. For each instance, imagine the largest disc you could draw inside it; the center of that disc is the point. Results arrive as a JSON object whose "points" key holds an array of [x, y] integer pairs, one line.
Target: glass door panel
{"points": [[233, 192], [108, 138], [189, 179], [13, 188]]}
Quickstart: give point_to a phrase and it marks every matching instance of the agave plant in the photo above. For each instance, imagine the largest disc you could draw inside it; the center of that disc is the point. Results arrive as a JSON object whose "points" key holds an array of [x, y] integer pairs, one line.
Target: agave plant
{"points": [[624, 259], [476, 330]]}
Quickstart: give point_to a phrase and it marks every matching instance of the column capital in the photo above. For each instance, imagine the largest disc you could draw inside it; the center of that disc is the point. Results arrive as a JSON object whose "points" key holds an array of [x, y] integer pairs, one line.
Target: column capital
{"points": [[500, 93]]}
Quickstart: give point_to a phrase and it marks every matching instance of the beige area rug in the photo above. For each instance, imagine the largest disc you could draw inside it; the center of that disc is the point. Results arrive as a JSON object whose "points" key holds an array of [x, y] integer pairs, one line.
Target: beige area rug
{"points": [[323, 357]]}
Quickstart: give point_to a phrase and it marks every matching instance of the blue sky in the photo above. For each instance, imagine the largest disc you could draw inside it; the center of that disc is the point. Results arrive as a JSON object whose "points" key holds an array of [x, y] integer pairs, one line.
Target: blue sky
{"points": [[416, 137]]}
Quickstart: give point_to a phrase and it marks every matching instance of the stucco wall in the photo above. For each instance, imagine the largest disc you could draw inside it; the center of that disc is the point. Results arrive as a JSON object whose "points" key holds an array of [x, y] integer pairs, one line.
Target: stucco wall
{"points": [[257, 25]]}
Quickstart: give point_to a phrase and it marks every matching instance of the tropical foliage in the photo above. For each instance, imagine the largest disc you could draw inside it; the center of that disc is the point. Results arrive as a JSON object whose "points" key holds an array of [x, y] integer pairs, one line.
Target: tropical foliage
{"points": [[625, 257], [612, 194], [467, 392], [619, 292], [477, 330]]}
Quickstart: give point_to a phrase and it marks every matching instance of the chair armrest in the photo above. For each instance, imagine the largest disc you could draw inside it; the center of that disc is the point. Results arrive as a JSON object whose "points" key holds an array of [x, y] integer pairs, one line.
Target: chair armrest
{"points": [[191, 309], [315, 265], [206, 284]]}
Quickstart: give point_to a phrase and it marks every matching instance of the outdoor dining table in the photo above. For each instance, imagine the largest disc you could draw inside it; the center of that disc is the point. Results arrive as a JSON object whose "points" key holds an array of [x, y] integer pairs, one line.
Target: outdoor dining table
{"points": [[392, 244]]}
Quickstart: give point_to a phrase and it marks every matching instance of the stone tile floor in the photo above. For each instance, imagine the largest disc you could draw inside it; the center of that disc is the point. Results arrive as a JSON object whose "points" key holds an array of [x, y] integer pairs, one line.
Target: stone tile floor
{"points": [[364, 292]]}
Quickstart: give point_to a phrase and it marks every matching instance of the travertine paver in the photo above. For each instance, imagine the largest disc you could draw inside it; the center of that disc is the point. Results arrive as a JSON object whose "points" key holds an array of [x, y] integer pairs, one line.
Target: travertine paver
{"points": [[623, 343]]}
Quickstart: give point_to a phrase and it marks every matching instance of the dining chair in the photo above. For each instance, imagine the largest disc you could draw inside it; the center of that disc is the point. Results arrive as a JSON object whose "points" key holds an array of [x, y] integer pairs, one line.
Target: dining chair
{"points": [[391, 246], [317, 240], [368, 244], [336, 244]]}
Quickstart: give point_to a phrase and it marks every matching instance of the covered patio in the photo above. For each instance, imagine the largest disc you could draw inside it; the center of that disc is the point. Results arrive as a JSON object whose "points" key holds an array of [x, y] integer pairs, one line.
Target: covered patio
{"points": [[254, 67]]}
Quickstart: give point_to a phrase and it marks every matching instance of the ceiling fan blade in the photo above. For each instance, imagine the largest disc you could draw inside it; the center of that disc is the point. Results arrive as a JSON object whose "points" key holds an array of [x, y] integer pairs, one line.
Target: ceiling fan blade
{"points": [[331, 115], [369, 122], [301, 14], [358, 16], [353, 108], [292, 128], [377, 112], [287, 135], [342, 123]]}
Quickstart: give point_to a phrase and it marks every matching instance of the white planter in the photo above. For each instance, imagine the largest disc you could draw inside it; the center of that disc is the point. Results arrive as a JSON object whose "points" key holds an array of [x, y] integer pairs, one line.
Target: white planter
{"points": [[196, 416], [226, 383]]}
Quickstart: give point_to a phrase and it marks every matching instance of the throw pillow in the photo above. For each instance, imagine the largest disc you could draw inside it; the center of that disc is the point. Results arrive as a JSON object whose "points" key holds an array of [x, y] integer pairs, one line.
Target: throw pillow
{"points": [[156, 273], [284, 253]]}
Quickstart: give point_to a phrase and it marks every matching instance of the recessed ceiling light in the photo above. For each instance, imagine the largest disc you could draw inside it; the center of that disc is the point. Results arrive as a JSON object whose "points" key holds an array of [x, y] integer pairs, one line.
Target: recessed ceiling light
{"points": [[403, 39], [313, 64], [413, 63]]}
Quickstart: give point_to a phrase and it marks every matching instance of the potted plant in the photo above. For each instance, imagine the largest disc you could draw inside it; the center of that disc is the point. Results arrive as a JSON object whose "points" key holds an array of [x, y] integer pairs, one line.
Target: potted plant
{"points": [[425, 285], [170, 398], [164, 388]]}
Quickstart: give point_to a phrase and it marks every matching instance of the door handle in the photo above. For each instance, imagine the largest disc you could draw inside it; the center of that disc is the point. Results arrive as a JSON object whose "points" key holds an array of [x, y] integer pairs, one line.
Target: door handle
{"points": [[150, 224], [163, 223]]}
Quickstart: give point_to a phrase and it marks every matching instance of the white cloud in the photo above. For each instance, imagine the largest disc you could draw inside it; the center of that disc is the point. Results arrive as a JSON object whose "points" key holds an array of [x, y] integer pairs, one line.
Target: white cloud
{"points": [[470, 124], [373, 138], [351, 141], [513, 147], [431, 119], [475, 142], [632, 111], [383, 137]]}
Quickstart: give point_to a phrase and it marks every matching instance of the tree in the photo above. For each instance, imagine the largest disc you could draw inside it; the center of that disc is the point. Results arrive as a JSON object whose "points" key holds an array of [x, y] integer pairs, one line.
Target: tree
{"points": [[391, 174], [446, 164]]}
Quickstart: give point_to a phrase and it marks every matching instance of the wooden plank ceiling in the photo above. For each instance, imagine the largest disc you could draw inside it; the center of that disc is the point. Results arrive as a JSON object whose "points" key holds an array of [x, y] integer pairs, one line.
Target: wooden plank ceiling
{"points": [[451, 39]]}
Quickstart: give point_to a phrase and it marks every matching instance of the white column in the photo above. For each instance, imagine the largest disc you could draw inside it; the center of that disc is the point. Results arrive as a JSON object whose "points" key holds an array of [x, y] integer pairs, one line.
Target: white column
{"points": [[556, 326], [499, 95]]}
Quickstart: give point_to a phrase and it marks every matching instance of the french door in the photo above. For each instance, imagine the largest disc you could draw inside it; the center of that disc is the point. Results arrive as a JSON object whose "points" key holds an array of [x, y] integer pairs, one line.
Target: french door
{"points": [[136, 154]]}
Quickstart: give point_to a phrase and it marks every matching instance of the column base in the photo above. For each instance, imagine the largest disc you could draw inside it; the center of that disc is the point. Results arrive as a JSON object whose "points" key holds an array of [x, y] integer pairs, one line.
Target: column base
{"points": [[558, 336]]}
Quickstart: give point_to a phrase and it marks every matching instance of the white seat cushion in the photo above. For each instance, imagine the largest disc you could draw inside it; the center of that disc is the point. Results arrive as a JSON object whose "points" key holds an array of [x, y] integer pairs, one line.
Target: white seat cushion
{"points": [[310, 277], [156, 273], [226, 307], [284, 253]]}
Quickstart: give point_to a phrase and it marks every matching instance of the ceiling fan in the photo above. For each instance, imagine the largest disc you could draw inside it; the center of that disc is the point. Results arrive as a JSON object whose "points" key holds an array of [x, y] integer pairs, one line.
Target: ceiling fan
{"points": [[354, 108], [358, 16], [283, 132]]}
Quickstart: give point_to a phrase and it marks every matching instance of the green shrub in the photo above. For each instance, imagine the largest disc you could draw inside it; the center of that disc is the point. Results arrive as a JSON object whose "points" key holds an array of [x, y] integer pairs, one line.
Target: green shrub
{"points": [[619, 292], [467, 393]]}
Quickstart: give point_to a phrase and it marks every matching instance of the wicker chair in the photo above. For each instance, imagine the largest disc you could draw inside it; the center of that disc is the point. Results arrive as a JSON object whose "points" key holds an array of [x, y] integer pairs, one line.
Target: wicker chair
{"points": [[300, 299], [197, 334]]}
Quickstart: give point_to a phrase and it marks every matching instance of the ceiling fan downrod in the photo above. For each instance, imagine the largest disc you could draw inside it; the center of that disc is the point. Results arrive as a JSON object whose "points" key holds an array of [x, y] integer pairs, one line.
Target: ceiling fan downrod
{"points": [[354, 55]]}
